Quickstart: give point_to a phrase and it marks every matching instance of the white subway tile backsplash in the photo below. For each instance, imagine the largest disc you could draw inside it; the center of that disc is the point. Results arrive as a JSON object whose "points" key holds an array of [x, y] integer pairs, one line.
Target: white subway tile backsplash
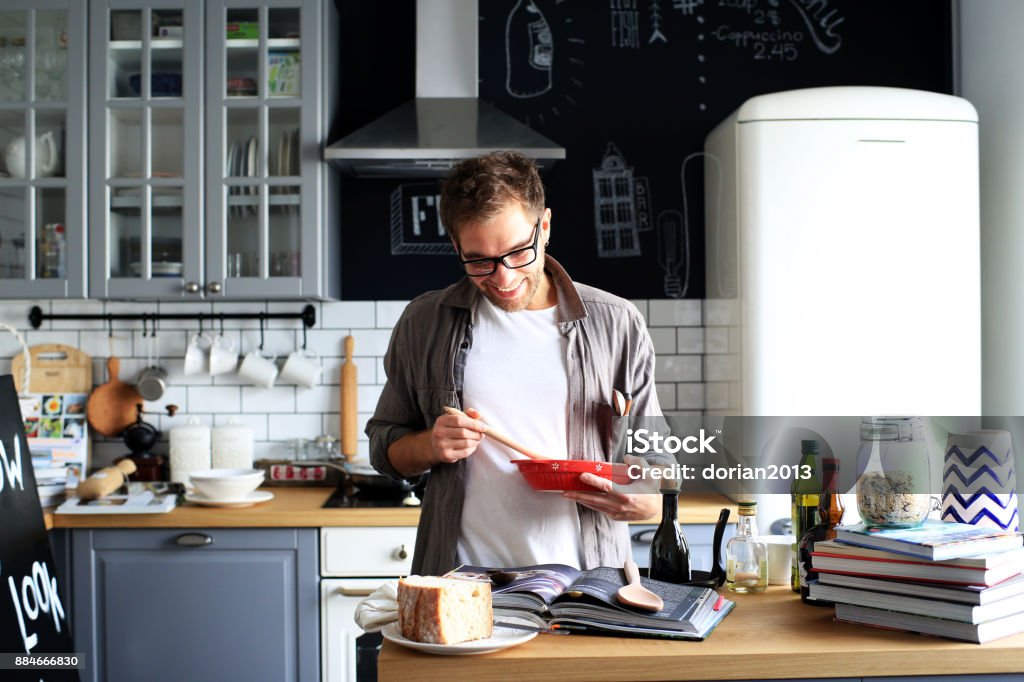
{"points": [[215, 399], [287, 427], [674, 313], [689, 340], [678, 368], [285, 411], [371, 341], [349, 315], [277, 400], [641, 305], [664, 340], [77, 308], [367, 397], [388, 313]]}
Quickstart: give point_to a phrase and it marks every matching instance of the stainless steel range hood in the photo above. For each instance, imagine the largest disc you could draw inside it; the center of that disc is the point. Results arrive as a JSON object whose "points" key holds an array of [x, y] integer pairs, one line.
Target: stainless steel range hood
{"points": [[446, 122]]}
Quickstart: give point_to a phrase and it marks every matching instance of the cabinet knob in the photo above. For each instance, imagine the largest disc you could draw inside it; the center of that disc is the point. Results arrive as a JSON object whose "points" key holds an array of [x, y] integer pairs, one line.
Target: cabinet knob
{"points": [[401, 553], [193, 540], [213, 287], [192, 287]]}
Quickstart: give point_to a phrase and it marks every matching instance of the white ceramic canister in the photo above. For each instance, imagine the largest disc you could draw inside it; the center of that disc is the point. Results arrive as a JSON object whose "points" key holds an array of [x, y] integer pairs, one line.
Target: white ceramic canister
{"points": [[190, 449], [231, 446]]}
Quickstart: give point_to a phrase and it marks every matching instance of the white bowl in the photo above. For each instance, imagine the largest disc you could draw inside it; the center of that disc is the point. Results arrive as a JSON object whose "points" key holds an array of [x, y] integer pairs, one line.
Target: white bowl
{"points": [[226, 484]]}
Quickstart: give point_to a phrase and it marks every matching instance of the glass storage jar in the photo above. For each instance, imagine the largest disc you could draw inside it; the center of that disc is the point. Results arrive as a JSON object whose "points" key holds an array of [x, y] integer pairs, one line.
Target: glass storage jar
{"points": [[893, 484]]}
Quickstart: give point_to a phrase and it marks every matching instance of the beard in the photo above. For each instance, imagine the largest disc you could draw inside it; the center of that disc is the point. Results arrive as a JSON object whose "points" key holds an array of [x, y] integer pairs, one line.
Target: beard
{"points": [[529, 284]]}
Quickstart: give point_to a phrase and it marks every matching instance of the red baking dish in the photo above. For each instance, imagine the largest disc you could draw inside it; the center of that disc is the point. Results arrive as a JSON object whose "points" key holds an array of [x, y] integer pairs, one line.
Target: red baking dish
{"points": [[556, 475]]}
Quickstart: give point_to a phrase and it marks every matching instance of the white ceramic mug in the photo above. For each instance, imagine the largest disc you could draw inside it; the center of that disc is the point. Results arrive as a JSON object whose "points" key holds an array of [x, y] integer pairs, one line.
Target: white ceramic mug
{"points": [[45, 160], [196, 355], [780, 562], [223, 356], [258, 368], [302, 368]]}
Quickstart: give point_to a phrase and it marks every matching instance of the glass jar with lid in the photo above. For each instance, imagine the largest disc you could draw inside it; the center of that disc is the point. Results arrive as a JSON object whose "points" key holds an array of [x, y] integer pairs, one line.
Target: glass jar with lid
{"points": [[894, 481]]}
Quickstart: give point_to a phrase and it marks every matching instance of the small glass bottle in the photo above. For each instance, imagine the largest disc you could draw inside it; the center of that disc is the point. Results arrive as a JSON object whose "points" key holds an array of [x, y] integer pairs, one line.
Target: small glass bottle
{"points": [[670, 556], [804, 494], [746, 557], [830, 515]]}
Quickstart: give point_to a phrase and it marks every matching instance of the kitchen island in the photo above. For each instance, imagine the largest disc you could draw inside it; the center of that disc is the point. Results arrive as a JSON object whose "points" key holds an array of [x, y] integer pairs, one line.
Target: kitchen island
{"points": [[771, 636]]}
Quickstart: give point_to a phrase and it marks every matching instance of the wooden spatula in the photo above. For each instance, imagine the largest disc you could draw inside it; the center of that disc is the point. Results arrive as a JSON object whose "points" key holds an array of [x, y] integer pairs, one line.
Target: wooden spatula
{"points": [[501, 437], [635, 594]]}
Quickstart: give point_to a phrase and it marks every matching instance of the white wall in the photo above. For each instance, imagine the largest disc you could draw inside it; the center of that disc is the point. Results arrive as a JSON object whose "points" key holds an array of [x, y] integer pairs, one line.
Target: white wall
{"points": [[992, 79]]}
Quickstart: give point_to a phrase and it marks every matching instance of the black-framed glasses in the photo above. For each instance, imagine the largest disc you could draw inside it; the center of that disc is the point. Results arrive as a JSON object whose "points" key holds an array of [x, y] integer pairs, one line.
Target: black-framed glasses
{"points": [[520, 258]]}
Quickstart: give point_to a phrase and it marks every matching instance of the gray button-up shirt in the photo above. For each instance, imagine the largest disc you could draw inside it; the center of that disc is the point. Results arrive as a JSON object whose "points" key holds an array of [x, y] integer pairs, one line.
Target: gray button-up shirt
{"points": [[608, 348]]}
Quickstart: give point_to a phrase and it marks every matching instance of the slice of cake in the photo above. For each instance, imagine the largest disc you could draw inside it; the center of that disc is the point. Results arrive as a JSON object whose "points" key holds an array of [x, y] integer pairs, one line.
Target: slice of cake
{"points": [[444, 610]]}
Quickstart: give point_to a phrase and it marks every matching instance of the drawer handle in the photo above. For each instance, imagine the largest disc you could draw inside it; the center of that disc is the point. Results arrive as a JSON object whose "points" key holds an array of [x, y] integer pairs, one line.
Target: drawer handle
{"points": [[193, 540], [356, 591], [401, 553]]}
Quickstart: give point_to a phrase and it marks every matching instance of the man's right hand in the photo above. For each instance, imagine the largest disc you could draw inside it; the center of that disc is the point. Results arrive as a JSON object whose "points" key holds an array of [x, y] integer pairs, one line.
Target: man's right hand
{"points": [[455, 436]]}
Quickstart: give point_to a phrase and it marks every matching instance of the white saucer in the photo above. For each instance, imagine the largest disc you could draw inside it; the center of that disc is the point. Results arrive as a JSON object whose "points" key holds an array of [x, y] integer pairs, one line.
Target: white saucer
{"points": [[255, 497], [502, 638]]}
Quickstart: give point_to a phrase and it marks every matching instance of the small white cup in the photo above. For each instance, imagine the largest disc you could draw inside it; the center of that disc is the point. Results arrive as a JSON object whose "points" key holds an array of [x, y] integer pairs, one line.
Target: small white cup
{"points": [[223, 356], [258, 368], [302, 368], [197, 354], [780, 562]]}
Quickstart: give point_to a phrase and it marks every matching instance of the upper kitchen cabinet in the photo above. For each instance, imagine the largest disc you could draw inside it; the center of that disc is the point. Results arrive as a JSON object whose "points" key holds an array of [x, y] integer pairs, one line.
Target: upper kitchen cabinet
{"points": [[42, 148], [207, 120]]}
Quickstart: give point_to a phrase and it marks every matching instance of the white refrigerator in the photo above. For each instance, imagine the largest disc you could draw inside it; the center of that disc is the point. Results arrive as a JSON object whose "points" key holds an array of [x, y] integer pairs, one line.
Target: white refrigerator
{"points": [[842, 257]]}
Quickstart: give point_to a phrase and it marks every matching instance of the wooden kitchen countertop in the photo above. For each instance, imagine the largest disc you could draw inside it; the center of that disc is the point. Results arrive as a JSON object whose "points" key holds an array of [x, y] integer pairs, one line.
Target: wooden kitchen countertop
{"points": [[301, 507], [767, 636]]}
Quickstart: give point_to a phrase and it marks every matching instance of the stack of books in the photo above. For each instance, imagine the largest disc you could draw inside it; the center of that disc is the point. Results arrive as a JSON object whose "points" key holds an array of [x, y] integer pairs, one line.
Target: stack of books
{"points": [[943, 579], [51, 479]]}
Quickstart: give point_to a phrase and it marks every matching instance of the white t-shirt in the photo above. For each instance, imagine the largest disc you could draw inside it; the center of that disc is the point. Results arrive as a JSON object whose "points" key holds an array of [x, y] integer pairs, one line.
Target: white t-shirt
{"points": [[516, 376]]}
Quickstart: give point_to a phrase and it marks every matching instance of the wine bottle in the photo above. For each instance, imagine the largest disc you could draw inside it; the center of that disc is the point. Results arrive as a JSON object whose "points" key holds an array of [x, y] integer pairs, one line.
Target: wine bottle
{"points": [[830, 515], [805, 491], [670, 556]]}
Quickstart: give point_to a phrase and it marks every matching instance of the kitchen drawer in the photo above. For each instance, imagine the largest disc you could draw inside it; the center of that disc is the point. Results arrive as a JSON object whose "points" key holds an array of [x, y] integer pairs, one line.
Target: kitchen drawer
{"points": [[366, 551]]}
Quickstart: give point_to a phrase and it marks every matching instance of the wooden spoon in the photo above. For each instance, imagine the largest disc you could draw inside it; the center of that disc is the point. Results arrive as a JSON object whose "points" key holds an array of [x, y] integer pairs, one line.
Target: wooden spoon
{"points": [[501, 437], [635, 594]]}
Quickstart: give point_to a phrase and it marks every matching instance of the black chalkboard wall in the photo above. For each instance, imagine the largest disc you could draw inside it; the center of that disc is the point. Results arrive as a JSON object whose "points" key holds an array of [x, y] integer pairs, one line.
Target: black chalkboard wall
{"points": [[633, 89], [33, 611]]}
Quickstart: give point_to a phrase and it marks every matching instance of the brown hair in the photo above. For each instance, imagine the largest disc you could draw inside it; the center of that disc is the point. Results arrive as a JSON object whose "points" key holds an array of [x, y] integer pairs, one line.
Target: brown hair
{"points": [[477, 189]]}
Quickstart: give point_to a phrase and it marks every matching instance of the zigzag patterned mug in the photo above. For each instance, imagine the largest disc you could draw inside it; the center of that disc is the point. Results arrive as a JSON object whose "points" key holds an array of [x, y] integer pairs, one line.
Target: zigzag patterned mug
{"points": [[979, 484]]}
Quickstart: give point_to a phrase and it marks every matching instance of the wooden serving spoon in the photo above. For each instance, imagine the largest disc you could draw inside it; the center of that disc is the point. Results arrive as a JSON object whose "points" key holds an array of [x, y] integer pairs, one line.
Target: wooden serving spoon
{"points": [[501, 437], [635, 594]]}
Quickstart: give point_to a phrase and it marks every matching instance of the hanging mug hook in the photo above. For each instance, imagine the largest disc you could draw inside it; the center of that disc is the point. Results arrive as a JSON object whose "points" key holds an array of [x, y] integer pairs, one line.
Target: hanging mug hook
{"points": [[145, 331], [261, 331], [303, 337], [222, 324]]}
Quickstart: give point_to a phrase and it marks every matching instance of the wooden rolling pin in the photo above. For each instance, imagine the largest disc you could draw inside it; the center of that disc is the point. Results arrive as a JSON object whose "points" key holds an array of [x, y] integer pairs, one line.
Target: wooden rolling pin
{"points": [[349, 407], [501, 437], [105, 481]]}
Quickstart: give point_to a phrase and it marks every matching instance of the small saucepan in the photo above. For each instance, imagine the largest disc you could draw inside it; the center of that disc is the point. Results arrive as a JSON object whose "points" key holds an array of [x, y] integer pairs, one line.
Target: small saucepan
{"points": [[365, 477]]}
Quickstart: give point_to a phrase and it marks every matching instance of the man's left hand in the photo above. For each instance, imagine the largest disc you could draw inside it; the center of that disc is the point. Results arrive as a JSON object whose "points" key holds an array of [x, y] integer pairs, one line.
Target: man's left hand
{"points": [[617, 506]]}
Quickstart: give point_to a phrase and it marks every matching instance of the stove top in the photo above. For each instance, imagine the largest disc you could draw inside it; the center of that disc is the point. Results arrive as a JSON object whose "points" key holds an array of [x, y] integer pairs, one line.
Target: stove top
{"points": [[347, 495]]}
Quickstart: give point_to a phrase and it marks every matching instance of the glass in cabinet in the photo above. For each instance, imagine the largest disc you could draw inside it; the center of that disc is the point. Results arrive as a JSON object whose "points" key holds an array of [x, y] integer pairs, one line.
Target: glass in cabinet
{"points": [[42, 149], [264, 187], [145, 169]]}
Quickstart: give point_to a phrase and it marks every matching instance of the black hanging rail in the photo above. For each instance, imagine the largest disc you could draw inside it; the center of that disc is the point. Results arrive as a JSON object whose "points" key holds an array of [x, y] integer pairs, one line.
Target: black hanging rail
{"points": [[36, 316]]}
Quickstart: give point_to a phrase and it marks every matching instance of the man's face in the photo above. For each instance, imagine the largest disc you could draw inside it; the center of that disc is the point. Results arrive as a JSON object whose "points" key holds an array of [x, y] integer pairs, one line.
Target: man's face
{"points": [[511, 290]]}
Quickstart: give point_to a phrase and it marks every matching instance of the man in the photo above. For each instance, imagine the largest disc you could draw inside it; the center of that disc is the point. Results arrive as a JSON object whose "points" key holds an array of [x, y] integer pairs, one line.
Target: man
{"points": [[518, 345]]}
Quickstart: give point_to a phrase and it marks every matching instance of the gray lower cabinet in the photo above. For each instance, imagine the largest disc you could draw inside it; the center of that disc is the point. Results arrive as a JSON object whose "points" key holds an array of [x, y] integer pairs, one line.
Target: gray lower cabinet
{"points": [[196, 604]]}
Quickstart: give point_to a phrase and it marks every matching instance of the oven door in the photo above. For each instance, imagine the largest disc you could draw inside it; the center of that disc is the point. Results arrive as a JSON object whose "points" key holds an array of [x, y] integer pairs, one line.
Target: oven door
{"points": [[347, 653]]}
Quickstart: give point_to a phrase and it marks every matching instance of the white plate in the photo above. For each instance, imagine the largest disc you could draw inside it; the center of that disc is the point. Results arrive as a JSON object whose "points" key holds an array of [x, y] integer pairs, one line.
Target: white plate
{"points": [[255, 497], [502, 638]]}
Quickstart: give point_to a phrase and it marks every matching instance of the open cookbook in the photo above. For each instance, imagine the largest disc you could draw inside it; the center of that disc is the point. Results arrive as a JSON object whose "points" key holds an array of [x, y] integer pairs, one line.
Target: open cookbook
{"points": [[585, 601]]}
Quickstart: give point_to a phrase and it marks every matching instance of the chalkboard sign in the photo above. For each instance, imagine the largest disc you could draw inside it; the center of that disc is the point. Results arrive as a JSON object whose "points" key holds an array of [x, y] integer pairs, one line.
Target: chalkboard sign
{"points": [[33, 615], [630, 88]]}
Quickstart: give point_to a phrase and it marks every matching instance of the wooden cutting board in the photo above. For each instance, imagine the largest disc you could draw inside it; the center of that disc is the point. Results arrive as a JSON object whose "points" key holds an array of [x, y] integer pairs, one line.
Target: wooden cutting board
{"points": [[56, 368], [111, 407]]}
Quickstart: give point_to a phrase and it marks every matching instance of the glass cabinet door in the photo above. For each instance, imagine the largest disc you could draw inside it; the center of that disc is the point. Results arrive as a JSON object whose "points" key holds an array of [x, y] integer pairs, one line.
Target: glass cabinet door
{"points": [[146, 71], [261, 105], [42, 148]]}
